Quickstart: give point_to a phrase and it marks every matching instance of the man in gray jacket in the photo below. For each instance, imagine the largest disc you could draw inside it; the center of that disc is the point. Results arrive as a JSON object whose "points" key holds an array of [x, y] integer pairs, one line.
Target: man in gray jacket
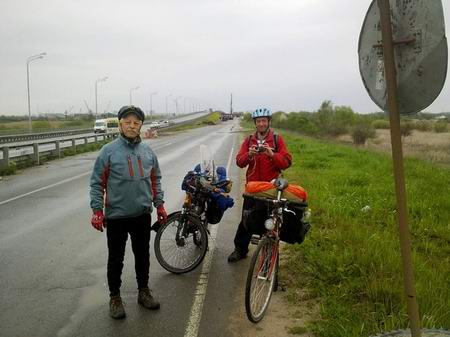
{"points": [[125, 186]]}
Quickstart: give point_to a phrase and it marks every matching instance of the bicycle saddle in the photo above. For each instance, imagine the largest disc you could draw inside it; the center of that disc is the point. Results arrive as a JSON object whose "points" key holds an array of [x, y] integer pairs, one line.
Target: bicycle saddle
{"points": [[281, 184]]}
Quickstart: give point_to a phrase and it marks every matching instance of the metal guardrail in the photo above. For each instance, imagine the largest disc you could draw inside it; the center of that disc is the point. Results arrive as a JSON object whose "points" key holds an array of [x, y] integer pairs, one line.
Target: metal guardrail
{"points": [[54, 147], [62, 133], [42, 135], [34, 147]]}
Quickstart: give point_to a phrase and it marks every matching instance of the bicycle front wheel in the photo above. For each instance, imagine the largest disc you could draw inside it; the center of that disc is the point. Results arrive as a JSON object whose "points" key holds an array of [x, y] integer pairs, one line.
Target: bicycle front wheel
{"points": [[181, 243], [261, 279]]}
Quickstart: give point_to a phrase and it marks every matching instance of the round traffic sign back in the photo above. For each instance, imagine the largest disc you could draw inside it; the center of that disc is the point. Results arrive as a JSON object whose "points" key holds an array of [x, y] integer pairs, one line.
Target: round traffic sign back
{"points": [[420, 53]]}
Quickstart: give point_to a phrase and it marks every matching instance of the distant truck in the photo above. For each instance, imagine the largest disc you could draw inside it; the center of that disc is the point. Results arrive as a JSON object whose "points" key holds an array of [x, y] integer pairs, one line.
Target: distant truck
{"points": [[226, 117], [108, 125]]}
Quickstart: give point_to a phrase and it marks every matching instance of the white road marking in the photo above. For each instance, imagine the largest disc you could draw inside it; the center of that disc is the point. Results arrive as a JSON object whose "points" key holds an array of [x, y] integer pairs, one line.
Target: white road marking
{"points": [[45, 187], [200, 291]]}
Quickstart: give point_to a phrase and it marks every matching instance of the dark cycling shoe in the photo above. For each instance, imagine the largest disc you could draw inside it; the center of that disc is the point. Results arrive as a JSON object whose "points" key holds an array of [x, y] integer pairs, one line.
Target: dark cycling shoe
{"points": [[236, 256], [146, 299], [116, 309]]}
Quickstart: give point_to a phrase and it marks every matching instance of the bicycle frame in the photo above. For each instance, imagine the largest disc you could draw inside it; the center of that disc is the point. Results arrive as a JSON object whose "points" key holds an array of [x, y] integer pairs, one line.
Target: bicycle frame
{"points": [[195, 204], [273, 234], [273, 259], [262, 276]]}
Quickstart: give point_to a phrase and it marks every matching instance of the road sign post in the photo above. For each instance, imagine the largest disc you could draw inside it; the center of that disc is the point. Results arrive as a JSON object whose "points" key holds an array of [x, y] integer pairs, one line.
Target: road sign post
{"points": [[397, 156], [403, 73]]}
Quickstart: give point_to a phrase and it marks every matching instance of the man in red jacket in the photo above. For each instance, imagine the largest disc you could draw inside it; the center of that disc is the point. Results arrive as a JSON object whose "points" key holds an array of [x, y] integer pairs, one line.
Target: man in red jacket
{"points": [[265, 154]]}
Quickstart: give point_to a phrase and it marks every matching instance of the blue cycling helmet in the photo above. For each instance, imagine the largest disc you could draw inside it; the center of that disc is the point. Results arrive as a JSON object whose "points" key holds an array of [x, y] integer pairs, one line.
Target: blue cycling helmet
{"points": [[262, 112]]}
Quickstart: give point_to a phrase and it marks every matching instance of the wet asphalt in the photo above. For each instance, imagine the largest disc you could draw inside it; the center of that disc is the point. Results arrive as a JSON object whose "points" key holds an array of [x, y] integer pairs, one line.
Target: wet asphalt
{"points": [[53, 263]]}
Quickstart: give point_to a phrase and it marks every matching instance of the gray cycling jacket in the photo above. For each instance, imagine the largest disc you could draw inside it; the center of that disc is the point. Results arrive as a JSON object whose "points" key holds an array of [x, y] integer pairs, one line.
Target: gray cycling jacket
{"points": [[126, 180]]}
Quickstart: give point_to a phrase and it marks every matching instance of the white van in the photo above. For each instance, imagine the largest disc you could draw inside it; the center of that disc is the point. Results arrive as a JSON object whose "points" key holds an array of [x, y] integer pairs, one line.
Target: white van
{"points": [[108, 125], [100, 126]]}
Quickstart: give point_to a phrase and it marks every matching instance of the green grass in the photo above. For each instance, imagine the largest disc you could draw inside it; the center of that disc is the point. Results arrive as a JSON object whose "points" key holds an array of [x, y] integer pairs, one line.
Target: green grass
{"points": [[15, 127], [212, 118], [8, 171], [350, 261], [297, 330]]}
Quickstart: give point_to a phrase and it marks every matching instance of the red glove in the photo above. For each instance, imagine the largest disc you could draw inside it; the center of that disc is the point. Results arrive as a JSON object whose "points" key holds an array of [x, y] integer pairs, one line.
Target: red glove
{"points": [[162, 214], [98, 220]]}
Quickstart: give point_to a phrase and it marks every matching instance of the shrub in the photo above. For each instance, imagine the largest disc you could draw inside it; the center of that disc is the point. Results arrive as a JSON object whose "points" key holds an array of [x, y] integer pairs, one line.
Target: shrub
{"points": [[381, 124], [333, 121], [423, 125], [406, 128], [440, 126], [10, 170], [247, 117], [361, 132], [300, 122]]}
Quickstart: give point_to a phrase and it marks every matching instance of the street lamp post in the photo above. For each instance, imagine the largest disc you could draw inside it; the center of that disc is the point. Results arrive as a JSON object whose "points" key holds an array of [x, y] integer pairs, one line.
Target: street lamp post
{"points": [[176, 104], [96, 82], [166, 102], [131, 99], [29, 60], [151, 103]]}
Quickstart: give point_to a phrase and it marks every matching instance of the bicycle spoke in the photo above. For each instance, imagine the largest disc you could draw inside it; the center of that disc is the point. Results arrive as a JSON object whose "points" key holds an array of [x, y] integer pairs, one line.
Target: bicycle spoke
{"points": [[177, 248], [260, 280]]}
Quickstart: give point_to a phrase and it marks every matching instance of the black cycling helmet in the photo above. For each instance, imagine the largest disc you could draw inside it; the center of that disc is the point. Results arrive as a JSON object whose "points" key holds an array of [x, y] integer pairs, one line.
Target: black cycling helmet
{"points": [[130, 109]]}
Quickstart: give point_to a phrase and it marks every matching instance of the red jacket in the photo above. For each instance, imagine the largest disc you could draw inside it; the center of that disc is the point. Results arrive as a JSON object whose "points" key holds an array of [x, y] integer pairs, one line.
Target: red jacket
{"points": [[261, 167]]}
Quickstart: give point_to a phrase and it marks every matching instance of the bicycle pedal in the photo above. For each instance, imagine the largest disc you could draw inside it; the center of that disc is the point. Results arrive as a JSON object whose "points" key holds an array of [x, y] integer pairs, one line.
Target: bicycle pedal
{"points": [[255, 239]]}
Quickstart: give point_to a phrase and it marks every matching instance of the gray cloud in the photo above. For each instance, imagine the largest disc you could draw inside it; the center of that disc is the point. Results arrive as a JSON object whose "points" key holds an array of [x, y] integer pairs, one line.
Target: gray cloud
{"points": [[288, 55]]}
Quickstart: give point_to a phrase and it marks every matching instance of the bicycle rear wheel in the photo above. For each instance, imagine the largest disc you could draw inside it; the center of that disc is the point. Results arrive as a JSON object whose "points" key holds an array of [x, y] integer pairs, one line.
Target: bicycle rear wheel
{"points": [[181, 243], [261, 279]]}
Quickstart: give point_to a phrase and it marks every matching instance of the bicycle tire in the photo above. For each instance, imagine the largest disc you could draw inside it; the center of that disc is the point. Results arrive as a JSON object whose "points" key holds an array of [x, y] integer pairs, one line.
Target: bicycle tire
{"points": [[258, 286], [425, 333], [181, 256], [276, 285]]}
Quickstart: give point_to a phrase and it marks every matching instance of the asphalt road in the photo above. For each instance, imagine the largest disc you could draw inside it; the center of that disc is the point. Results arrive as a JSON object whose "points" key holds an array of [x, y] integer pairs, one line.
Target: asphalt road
{"points": [[53, 263], [21, 148]]}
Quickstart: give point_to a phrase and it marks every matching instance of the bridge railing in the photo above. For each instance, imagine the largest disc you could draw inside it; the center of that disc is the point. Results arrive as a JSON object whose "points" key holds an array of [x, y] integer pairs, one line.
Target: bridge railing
{"points": [[17, 152]]}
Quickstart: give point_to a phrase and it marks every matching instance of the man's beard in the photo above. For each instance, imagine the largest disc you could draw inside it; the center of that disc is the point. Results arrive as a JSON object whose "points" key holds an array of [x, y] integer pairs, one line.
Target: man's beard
{"points": [[263, 133], [135, 139]]}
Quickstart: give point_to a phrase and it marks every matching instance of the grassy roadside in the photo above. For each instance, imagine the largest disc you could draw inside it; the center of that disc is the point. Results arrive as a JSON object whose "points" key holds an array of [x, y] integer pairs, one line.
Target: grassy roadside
{"points": [[213, 118], [43, 126], [350, 261]]}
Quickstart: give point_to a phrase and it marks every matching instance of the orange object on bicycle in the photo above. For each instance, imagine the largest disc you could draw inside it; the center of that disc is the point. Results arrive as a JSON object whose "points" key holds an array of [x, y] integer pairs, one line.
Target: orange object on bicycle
{"points": [[266, 189]]}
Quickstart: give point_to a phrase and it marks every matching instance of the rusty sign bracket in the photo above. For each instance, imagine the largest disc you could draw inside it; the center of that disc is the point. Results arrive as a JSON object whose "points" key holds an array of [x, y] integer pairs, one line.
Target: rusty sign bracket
{"points": [[407, 41]]}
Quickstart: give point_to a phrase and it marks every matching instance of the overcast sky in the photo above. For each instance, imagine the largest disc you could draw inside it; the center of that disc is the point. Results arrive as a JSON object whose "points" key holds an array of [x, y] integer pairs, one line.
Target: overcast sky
{"points": [[283, 54]]}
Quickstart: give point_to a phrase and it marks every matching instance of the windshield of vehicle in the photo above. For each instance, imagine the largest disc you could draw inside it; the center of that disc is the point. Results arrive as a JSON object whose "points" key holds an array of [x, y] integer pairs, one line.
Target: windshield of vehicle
{"points": [[206, 161]]}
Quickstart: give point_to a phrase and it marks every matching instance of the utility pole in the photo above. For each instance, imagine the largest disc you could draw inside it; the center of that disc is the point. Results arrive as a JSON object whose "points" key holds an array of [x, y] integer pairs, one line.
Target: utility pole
{"points": [[96, 82]]}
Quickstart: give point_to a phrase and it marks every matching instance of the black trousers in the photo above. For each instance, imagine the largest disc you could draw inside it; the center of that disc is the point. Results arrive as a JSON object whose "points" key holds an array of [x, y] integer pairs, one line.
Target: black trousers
{"points": [[117, 231], [253, 224]]}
